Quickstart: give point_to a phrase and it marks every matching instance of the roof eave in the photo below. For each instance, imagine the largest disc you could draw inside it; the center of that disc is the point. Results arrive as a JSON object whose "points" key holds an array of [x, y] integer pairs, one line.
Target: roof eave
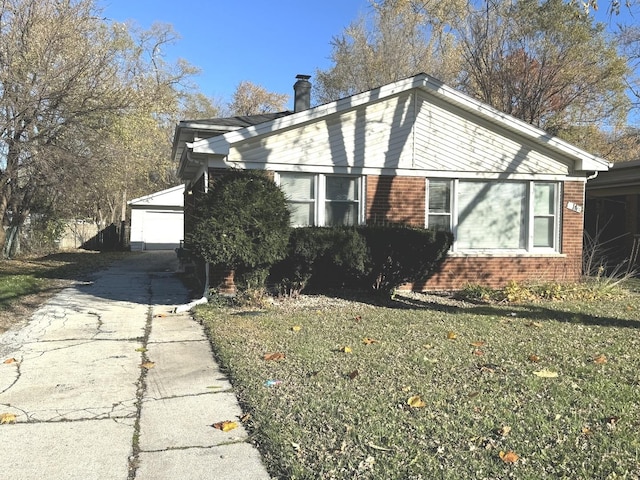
{"points": [[583, 161]]}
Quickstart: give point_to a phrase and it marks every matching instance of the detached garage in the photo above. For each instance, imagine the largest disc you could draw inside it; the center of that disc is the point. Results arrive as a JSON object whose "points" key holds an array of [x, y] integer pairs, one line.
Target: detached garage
{"points": [[157, 220]]}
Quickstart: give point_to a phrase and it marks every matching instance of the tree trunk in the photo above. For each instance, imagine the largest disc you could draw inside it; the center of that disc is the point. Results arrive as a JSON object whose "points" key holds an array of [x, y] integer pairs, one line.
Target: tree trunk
{"points": [[12, 242]]}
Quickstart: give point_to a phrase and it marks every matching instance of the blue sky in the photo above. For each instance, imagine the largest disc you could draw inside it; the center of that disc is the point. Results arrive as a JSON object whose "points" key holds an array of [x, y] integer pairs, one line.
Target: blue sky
{"points": [[267, 42]]}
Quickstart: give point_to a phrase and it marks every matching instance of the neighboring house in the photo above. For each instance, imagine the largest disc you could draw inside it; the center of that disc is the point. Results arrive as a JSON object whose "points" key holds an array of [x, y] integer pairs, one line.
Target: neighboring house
{"points": [[420, 153], [613, 214], [157, 220]]}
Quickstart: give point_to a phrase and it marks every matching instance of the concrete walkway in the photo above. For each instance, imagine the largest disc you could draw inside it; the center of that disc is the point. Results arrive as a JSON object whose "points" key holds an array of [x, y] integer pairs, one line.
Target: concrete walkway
{"points": [[106, 383]]}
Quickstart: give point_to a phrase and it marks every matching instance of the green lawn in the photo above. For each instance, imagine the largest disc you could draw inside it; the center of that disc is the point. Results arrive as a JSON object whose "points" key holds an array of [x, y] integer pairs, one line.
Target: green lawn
{"points": [[344, 415]]}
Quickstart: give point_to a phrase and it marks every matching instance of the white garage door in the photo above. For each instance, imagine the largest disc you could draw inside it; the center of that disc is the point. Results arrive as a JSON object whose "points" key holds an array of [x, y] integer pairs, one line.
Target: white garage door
{"points": [[162, 230]]}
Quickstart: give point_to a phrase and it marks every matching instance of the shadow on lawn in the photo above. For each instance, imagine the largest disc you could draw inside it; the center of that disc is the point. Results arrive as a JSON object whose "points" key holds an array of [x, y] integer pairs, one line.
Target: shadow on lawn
{"points": [[450, 305], [529, 312]]}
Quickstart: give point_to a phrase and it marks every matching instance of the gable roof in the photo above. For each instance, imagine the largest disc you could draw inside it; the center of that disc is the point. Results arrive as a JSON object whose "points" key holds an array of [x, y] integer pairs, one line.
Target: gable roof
{"points": [[171, 197], [190, 130], [430, 87]]}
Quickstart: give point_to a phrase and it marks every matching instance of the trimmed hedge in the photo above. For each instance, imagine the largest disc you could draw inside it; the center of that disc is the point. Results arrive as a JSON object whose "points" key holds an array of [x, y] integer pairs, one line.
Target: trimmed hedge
{"points": [[379, 258], [400, 255], [321, 257]]}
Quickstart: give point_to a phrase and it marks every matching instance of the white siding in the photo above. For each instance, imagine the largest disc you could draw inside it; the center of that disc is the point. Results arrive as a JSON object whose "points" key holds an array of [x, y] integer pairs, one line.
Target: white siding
{"points": [[411, 133], [376, 135], [449, 140]]}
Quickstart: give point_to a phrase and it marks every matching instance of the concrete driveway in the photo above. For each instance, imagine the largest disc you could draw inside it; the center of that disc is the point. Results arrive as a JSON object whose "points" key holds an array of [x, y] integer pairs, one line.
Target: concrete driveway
{"points": [[105, 382]]}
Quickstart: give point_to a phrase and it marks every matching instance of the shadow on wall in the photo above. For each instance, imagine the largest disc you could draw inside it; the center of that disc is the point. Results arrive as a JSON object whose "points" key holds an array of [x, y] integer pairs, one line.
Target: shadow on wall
{"points": [[113, 237]]}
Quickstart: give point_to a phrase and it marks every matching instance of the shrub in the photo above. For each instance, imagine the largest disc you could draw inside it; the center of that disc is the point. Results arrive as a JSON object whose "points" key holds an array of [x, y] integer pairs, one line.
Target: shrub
{"points": [[321, 257], [402, 254], [379, 258], [241, 224]]}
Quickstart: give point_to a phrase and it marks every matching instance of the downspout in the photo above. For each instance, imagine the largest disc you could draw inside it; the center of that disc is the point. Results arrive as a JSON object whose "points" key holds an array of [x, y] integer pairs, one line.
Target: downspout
{"points": [[595, 174], [204, 299], [206, 264]]}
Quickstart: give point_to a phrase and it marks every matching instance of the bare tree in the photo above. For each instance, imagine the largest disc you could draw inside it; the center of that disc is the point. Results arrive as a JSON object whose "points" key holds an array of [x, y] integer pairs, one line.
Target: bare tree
{"points": [[398, 39], [85, 111], [58, 73], [252, 99], [545, 63]]}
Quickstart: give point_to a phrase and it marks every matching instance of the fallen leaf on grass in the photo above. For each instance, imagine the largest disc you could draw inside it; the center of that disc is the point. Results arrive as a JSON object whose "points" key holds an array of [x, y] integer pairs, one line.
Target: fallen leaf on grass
{"points": [[478, 344], [378, 447], [509, 457], [452, 335], [534, 358], [148, 365], [7, 418], [353, 374], [245, 418], [346, 349], [274, 356], [141, 349], [369, 341], [225, 426], [10, 360], [546, 374], [503, 431], [600, 359], [296, 328], [534, 324], [357, 318], [416, 402], [478, 352]]}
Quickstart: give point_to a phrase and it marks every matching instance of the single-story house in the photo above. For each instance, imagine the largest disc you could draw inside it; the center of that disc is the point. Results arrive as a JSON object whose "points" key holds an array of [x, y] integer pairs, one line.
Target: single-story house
{"points": [[418, 152], [613, 212], [157, 220]]}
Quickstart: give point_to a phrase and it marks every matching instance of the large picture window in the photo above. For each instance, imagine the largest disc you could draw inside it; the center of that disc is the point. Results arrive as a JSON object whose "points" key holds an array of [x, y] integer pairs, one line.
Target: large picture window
{"points": [[495, 215], [323, 200]]}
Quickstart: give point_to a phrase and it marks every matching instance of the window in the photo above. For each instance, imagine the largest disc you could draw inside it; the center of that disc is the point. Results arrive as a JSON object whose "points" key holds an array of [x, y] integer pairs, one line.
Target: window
{"points": [[491, 215], [341, 200], [300, 190], [324, 200], [495, 215], [544, 214], [439, 205]]}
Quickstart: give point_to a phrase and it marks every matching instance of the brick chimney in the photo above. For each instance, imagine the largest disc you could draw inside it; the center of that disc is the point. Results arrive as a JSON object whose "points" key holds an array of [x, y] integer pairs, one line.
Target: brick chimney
{"points": [[302, 96]]}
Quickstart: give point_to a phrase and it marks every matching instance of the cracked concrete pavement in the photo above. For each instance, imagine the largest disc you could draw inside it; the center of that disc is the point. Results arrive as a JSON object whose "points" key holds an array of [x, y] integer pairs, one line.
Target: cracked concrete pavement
{"points": [[86, 407]]}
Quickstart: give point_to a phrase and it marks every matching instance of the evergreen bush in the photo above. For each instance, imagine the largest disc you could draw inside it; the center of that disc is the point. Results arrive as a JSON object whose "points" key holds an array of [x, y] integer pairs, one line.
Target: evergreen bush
{"points": [[241, 224], [377, 257], [321, 257], [402, 254]]}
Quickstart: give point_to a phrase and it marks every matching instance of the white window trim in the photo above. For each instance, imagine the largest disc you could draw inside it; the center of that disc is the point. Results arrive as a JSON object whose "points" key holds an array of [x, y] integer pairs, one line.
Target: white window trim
{"points": [[529, 234], [320, 183], [555, 248]]}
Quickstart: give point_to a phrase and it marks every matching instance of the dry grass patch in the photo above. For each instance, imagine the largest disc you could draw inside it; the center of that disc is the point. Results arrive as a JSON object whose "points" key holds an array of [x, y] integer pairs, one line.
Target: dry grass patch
{"points": [[28, 282]]}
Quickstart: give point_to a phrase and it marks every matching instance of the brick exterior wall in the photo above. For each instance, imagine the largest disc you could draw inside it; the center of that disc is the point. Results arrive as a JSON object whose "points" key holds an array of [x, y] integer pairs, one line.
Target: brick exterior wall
{"points": [[396, 200], [402, 200]]}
